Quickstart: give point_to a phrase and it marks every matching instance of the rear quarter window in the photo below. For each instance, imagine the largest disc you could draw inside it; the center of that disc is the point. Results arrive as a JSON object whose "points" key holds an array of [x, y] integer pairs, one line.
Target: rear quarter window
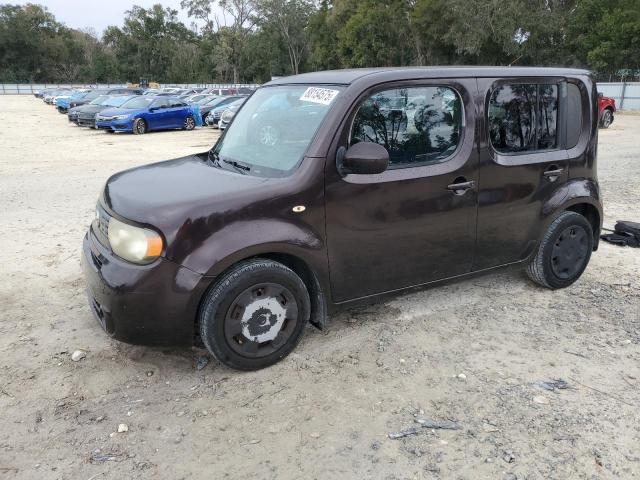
{"points": [[574, 114]]}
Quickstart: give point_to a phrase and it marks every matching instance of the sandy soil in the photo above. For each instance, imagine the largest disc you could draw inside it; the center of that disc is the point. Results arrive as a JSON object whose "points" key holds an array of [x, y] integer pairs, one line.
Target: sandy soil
{"points": [[473, 352]]}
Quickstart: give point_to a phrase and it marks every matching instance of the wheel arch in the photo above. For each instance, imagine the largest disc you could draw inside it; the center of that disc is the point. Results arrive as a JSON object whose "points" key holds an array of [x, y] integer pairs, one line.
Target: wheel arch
{"points": [[581, 196], [316, 286]]}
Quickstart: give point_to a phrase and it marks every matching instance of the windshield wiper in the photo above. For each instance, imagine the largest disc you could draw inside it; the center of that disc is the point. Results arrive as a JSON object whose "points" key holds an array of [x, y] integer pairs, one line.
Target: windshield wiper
{"points": [[214, 158], [238, 166]]}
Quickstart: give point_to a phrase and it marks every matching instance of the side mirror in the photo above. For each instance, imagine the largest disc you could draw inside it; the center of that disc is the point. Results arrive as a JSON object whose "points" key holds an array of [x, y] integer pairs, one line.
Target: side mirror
{"points": [[600, 94], [363, 158]]}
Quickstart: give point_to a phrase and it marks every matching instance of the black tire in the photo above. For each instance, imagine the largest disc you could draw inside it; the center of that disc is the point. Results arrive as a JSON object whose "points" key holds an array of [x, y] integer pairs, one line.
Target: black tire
{"points": [[607, 118], [139, 126], [564, 252], [223, 315], [189, 123]]}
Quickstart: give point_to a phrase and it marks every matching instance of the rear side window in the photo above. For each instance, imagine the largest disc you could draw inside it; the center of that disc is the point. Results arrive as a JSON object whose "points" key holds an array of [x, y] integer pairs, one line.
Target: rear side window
{"points": [[418, 125], [574, 115], [523, 117]]}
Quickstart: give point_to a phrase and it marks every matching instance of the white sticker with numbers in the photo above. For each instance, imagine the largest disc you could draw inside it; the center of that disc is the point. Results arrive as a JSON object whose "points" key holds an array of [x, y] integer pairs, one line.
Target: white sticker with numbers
{"points": [[319, 95]]}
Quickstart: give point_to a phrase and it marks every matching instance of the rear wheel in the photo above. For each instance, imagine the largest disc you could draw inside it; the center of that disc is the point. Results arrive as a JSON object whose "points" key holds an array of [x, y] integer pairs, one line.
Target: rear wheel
{"points": [[254, 315], [189, 123], [139, 126], [564, 252]]}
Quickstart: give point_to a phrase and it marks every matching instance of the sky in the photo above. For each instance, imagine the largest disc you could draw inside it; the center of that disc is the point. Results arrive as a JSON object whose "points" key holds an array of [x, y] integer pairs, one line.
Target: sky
{"points": [[98, 15]]}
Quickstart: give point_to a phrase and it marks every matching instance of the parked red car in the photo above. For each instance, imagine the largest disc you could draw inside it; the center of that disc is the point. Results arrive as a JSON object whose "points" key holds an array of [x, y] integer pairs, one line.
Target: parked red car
{"points": [[606, 108]]}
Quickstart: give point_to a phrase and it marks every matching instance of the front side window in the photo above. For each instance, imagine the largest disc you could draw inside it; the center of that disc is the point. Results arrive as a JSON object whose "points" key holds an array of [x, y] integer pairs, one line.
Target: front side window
{"points": [[268, 140], [417, 125], [523, 117], [160, 103]]}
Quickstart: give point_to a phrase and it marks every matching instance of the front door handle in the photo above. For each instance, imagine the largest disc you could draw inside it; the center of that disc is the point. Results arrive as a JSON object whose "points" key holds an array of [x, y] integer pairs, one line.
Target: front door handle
{"points": [[460, 186], [553, 173]]}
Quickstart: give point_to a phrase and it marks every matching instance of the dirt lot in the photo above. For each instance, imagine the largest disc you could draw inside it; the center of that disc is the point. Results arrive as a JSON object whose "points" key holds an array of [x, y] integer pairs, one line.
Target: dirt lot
{"points": [[473, 352]]}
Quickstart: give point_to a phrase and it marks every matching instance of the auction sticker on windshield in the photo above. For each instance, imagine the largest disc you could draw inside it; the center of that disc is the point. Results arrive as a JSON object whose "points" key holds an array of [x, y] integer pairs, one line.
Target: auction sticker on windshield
{"points": [[319, 95]]}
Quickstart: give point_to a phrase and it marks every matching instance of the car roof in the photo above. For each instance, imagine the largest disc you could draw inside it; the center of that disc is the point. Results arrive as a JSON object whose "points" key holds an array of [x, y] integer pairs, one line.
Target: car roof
{"points": [[348, 76]]}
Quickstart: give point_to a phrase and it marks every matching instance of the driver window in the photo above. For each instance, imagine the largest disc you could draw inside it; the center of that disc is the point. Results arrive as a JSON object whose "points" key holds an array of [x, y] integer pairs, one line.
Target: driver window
{"points": [[417, 125]]}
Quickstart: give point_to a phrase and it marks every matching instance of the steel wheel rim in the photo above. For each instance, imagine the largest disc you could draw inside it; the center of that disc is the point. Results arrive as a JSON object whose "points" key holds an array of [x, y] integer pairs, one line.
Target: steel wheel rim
{"points": [[261, 320], [268, 135], [569, 252], [606, 118]]}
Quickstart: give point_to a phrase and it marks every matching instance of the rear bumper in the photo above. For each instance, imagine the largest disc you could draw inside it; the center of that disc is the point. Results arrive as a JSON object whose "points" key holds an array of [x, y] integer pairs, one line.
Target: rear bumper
{"points": [[153, 304]]}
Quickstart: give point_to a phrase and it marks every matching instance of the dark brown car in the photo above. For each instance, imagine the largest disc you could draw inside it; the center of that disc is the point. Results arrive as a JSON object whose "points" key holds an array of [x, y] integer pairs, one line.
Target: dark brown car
{"points": [[332, 188]]}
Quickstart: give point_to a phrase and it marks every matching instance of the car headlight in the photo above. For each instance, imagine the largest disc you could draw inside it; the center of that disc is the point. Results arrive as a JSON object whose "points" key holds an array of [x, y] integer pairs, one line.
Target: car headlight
{"points": [[134, 244], [120, 117]]}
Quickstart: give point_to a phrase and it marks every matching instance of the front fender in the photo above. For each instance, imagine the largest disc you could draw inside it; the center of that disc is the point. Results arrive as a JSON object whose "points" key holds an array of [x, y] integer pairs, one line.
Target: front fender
{"points": [[270, 238]]}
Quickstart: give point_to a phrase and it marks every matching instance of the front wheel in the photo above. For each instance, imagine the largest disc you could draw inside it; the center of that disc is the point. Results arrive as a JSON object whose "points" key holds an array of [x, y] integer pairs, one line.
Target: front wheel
{"points": [[255, 315], [139, 126], [607, 118], [564, 252]]}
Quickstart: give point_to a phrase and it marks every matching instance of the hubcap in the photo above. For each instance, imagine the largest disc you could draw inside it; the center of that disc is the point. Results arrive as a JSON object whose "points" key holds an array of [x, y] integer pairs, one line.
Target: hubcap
{"points": [[569, 252], [260, 320], [268, 135]]}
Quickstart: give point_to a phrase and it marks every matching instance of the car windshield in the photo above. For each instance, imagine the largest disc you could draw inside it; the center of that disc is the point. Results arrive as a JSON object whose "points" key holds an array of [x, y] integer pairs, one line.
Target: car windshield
{"points": [[217, 101], [236, 103], [271, 132], [116, 101], [94, 94], [205, 99], [138, 102], [99, 100]]}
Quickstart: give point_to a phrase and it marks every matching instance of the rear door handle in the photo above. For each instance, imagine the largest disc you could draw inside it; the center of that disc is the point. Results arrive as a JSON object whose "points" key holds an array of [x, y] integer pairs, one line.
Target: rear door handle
{"points": [[460, 188]]}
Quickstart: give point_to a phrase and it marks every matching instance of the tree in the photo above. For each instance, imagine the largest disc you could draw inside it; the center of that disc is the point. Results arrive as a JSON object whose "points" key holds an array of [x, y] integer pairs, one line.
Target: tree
{"points": [[290, 19]]}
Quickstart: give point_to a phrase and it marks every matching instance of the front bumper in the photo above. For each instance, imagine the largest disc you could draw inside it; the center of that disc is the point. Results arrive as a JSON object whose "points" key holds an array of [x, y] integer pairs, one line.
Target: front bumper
{"points": [[154, 304], [86, 122], [115, 125]]}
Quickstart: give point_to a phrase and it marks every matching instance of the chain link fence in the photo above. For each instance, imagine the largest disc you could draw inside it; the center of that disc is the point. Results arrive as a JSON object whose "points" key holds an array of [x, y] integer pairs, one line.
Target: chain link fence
{"points": [[626, 92], [32, 88]]}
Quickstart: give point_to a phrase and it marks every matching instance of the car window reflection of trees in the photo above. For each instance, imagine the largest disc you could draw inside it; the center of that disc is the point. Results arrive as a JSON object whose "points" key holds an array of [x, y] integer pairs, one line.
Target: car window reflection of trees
{"points": [[416, 125]]}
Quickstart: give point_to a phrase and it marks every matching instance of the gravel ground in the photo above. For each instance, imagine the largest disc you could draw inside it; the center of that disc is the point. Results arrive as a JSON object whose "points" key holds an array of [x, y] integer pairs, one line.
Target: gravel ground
{"points": [[474, 352]]}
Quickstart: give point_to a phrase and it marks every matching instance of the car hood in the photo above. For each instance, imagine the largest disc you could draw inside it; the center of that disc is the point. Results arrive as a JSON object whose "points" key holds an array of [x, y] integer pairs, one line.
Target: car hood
{"points": [[175, 194]]}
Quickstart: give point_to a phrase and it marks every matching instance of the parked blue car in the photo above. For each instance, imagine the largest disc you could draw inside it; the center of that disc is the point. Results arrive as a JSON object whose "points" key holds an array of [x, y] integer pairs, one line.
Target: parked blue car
{"points": [[63, 102], [144, 113]]}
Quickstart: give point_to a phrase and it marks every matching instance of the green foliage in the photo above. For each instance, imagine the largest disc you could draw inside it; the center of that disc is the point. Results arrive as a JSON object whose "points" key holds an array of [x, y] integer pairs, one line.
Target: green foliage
{"points": [[258, 39]]}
